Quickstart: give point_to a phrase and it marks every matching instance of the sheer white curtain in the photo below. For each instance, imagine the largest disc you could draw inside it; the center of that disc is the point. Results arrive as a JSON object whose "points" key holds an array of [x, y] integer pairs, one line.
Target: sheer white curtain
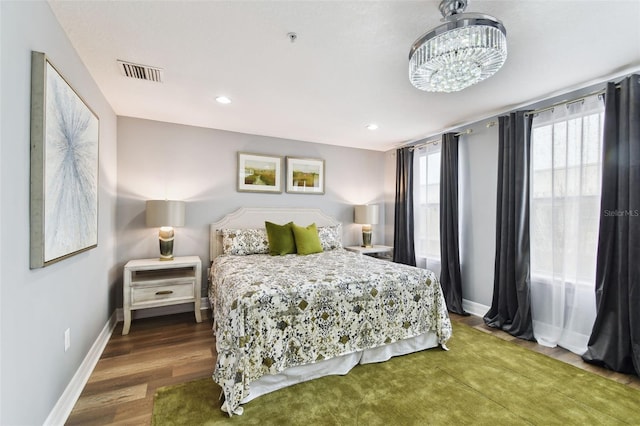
{"points": [[566, 167], [426, 208]]}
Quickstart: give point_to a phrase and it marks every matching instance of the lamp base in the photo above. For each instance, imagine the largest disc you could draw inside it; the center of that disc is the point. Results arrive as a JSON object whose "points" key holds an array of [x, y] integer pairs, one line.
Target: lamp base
{"points": [[166, 235], [366, 239]]}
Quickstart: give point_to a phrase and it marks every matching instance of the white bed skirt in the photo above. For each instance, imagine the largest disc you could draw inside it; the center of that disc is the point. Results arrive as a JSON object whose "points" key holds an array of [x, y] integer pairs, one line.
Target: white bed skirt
{"points": [[338, 366]]}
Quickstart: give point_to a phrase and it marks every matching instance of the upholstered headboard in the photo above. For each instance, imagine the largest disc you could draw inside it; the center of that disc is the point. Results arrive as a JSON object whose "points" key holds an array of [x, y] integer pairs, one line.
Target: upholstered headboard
{"points": [[254, 217]]}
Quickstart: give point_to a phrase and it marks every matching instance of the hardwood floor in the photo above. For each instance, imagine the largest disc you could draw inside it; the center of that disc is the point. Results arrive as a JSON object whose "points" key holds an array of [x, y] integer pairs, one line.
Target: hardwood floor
{"points": [[174, 349], [157, 352]]}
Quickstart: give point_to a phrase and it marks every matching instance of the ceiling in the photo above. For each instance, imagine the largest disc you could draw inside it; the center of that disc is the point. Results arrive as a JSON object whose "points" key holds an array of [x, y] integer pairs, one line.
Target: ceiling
{"points": [[347, 68]]}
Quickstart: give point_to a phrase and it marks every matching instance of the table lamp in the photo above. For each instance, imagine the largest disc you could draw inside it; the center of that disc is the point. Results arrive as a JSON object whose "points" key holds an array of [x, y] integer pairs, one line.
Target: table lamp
{"points": [[165, 214], [366, 215]]}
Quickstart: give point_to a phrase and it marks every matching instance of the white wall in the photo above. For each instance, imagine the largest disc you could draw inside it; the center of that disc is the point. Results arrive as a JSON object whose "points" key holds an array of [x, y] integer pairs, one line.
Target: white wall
{"points": [[158, 160], [1, 203], [389, 195], [39, 305], [478, 177]]}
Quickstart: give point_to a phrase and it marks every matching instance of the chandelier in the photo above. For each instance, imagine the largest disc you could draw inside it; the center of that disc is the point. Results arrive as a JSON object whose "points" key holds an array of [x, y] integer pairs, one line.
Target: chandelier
{"points": [[465, 49]]}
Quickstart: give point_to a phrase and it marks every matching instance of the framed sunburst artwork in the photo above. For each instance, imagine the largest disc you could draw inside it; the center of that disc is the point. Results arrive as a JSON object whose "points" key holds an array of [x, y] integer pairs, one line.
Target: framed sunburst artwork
{"points": [[64, 167]]}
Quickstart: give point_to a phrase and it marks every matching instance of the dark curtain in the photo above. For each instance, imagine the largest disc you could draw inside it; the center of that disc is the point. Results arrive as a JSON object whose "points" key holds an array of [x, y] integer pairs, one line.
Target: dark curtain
{"points": [[450, 278], [615, 338], [403, 244], [511, 305]]}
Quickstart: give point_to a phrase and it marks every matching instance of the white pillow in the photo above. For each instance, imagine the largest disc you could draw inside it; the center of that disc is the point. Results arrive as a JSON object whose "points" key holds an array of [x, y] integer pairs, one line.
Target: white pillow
{"points": [[242, 242], [330, 237]]}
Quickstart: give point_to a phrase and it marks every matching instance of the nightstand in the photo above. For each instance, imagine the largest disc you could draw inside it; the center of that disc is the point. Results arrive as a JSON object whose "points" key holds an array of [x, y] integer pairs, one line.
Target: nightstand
{"points": [[149, 283], [382, 252]]}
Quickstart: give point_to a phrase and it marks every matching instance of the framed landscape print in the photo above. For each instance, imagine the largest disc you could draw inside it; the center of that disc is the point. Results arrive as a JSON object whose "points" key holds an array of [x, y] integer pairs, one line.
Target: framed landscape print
{"points": [[259, 173], [64, 168], [305, 175]]}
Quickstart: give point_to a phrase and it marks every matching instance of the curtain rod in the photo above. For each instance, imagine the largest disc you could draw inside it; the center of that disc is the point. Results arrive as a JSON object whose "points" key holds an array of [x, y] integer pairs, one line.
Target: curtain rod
{"points": [[494, 122], [435, 141], [569, 102], [533, 112], [423, 144]]}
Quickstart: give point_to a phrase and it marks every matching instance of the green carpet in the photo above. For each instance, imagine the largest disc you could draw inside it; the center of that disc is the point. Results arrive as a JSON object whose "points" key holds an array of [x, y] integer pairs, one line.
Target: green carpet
{"points": [[482, 380]]}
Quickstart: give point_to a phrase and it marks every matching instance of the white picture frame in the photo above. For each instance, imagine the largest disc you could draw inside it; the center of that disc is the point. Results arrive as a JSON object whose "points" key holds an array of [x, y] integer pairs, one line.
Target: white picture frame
{"points": [[305, 176], [259, 173]]}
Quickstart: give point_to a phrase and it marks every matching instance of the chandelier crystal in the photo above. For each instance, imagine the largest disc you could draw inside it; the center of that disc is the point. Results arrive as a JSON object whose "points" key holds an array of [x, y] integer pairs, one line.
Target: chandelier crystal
{"points": [[466, 49]]}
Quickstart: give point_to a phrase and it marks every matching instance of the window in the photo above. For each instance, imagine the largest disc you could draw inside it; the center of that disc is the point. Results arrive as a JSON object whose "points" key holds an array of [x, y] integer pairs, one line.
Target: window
{"points": [[565, 192], [426, 209]]}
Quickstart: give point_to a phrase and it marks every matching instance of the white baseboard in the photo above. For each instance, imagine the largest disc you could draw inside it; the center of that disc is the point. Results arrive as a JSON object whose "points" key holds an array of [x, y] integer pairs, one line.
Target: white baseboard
{"points": [[68, 399], [62, 409], [474, 308], [164, 310]]}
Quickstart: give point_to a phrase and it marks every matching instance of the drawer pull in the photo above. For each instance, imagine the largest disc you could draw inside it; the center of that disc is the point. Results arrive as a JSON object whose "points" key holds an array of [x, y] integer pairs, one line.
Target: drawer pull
{"points": [[163, 292]]}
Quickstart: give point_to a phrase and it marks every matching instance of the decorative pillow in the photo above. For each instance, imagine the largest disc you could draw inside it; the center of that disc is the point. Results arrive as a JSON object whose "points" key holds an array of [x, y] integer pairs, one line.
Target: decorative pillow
{"points": [[280, 239], [241, 242], [307, 239], [330, 237]]}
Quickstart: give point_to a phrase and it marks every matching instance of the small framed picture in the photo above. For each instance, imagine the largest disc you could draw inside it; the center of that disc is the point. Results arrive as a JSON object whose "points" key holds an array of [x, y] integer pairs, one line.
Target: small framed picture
{"points": [[305, 175], [259, 173]]}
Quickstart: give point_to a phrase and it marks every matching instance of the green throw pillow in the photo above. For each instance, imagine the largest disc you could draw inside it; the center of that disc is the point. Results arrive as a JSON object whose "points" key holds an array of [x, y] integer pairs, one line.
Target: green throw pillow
{"points": [[280, 239], [307, 239]]}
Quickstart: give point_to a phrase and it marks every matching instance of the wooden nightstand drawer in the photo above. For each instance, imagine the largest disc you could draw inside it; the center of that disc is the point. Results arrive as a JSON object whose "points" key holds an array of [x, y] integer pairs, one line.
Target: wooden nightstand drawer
{"points": [[172, 293]]}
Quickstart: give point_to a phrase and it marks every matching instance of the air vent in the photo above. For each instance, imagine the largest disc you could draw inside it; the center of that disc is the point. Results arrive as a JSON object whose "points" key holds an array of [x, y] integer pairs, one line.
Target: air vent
{"points": [[140, 72]]}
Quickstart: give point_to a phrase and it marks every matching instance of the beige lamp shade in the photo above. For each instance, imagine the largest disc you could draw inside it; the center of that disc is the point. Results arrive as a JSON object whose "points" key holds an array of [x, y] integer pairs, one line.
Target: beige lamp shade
{"points": [[165, 213], [367, 214]]}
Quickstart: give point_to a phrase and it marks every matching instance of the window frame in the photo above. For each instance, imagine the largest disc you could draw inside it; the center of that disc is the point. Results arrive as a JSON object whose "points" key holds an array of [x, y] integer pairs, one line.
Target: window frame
{"points": [[421, 191]]}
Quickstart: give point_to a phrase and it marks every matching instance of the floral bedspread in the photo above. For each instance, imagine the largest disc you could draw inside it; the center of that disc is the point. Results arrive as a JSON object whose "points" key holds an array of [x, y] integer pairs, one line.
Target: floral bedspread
{"points": [[275, 312]]}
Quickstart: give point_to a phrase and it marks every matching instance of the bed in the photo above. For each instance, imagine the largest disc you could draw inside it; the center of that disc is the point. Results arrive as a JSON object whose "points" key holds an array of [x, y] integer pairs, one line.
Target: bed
{"points": [[282, 320]]}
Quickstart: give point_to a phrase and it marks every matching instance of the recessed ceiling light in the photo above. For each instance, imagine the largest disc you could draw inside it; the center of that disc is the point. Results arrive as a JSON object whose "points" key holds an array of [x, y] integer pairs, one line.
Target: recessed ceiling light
{"points": [[372, 126], [223, 100]]}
